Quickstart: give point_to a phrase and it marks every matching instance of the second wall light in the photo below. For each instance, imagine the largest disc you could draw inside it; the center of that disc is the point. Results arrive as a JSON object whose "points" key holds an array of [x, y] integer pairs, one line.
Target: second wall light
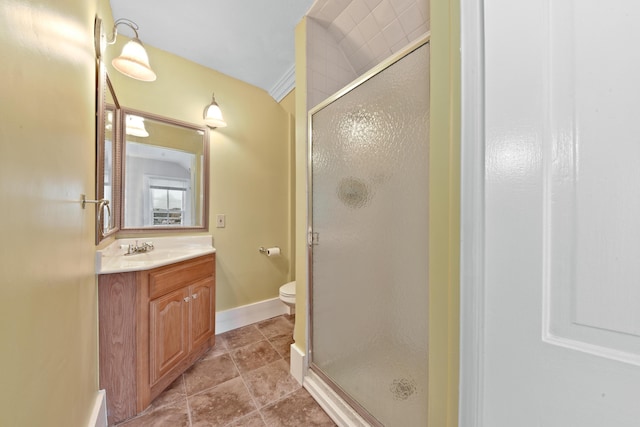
{"points": [[212, 115]]}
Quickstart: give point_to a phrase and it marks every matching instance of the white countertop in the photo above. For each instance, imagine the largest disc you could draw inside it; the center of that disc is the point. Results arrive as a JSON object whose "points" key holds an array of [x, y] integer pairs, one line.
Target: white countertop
{"points": [[167, 250]]}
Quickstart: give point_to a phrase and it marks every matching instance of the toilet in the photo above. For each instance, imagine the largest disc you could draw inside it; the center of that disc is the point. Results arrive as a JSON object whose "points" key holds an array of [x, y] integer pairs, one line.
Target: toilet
{"points": [[288, 295]]}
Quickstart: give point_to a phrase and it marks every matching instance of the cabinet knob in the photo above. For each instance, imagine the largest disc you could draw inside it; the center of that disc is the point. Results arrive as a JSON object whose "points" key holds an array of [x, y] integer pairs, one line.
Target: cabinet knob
{"points": [[187, 299], [194, 296]]}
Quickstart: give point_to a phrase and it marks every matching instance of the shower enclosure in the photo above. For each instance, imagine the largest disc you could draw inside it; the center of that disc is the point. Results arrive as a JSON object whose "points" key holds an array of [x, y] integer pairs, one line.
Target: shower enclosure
{"points": [[369, 148]]}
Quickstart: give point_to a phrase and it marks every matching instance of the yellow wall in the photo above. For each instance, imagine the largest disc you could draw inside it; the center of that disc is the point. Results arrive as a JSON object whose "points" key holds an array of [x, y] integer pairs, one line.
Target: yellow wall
{"points": [[444, 220], [249, 168], [288, 103], [48, 301], [301, 269]]}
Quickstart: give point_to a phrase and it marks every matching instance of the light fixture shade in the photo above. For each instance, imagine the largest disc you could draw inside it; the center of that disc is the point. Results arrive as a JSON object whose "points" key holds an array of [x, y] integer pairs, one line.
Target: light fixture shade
{"points": [[134, 62], [109, 124], [213, 115], [135, 126]]}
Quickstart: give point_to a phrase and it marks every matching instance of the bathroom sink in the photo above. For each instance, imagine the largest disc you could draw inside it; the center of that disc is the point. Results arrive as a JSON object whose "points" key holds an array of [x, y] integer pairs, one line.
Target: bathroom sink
{"points": [[167, 250], [159, 255]]}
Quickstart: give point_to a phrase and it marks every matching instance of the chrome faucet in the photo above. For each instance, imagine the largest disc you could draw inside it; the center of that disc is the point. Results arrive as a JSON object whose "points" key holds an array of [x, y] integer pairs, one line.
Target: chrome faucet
{"points": [[139, 249]]}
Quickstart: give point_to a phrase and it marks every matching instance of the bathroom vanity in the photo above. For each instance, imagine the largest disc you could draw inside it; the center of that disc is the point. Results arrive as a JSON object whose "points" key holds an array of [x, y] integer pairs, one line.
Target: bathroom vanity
{"points": [[156, 318]]}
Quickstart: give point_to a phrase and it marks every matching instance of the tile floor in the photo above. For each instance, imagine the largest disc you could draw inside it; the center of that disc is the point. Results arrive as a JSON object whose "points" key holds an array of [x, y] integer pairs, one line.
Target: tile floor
{"points": [[243, 381]]}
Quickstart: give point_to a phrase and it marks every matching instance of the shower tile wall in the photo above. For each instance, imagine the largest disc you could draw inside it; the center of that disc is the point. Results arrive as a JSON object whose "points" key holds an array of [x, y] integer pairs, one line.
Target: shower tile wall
{"points": [[328, 69], [347, 38]]}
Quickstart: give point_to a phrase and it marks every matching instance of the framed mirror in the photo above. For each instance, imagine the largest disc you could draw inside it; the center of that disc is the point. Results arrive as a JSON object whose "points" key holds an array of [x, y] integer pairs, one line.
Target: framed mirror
{"points": [[107, 157], [165, 173]]}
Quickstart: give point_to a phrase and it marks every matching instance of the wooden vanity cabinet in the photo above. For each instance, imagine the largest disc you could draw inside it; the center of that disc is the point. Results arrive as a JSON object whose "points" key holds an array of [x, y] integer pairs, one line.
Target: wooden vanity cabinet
{"points": [[178, 322], [154, 324]]}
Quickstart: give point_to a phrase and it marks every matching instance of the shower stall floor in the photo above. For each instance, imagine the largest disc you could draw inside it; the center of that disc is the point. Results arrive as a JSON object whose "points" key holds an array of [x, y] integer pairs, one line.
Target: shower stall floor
{"points": [[393, 392]]}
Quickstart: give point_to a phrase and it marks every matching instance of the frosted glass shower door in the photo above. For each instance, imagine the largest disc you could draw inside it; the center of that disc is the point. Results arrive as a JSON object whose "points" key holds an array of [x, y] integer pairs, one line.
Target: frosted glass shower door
{"points": [[369, 207]]}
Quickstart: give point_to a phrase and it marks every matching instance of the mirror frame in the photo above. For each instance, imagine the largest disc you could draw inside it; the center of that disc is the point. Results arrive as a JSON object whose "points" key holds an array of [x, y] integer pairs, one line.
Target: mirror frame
{"points": [[102, 107], [205, 173]]}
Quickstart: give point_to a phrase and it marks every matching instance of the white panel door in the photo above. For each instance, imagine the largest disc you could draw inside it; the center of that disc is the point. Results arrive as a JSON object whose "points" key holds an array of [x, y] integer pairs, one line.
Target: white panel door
{"points": [[557, 336]]}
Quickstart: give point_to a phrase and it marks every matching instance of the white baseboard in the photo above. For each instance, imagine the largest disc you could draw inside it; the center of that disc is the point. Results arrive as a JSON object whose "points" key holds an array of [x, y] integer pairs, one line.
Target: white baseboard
{"points": [[99, 413], [238, 317], [297, 366], [341, 413]]}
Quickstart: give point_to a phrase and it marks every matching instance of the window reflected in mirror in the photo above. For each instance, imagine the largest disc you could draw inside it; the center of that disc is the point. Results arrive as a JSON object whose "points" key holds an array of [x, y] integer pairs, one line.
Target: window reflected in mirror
{"points": [[165, 173]]}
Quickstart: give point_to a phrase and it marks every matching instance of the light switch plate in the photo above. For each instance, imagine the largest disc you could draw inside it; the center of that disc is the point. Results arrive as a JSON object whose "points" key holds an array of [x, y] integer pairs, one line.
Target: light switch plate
{"points": [[220, 221]]}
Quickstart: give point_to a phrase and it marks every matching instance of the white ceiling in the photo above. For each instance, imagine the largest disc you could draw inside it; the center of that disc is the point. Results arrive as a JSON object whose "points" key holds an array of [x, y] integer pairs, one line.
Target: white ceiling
{"points": [[251, 40]]}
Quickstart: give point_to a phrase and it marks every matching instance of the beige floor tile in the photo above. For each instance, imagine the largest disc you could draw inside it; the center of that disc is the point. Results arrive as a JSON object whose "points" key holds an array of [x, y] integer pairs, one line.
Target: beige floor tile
{"points": [[282, 344], [276, 326], [173, 393], [221, 405], [254, 356], [296, 410], [271, 382], [174, 415], [207, 373], [252, 420], [241, 337], [218, 349]]}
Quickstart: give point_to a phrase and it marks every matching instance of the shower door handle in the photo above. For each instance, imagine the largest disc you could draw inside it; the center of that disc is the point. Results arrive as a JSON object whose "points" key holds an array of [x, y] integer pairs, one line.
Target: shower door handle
{"points": [[314, 238]]}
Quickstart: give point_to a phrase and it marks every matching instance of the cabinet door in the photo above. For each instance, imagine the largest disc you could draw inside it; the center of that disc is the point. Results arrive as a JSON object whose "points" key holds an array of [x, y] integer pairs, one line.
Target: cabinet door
{"points": [[202, 303], [169, 332]]}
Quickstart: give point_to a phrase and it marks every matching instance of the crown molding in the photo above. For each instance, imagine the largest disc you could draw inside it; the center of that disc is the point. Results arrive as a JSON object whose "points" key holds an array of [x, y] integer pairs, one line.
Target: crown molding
{"points": [[285, 85]]}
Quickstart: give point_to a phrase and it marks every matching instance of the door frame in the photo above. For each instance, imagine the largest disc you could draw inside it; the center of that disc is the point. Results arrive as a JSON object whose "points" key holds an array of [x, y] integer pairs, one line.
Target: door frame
{"points": [[472, 214]]}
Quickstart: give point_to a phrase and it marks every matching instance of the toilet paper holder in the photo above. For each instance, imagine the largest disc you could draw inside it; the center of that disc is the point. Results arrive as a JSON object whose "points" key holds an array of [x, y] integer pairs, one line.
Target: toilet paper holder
{"points": [[269, 251]]}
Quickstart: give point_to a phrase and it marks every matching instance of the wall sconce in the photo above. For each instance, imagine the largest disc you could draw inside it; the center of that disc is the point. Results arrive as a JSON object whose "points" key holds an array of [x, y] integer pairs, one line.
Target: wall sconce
{"points": [[133, 61], [212, 115], [135, 126]]}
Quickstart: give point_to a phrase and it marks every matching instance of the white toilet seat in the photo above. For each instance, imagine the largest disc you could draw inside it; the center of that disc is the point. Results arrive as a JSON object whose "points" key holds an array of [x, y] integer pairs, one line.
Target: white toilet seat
{"points": [[288, 289], [288, 293]]}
